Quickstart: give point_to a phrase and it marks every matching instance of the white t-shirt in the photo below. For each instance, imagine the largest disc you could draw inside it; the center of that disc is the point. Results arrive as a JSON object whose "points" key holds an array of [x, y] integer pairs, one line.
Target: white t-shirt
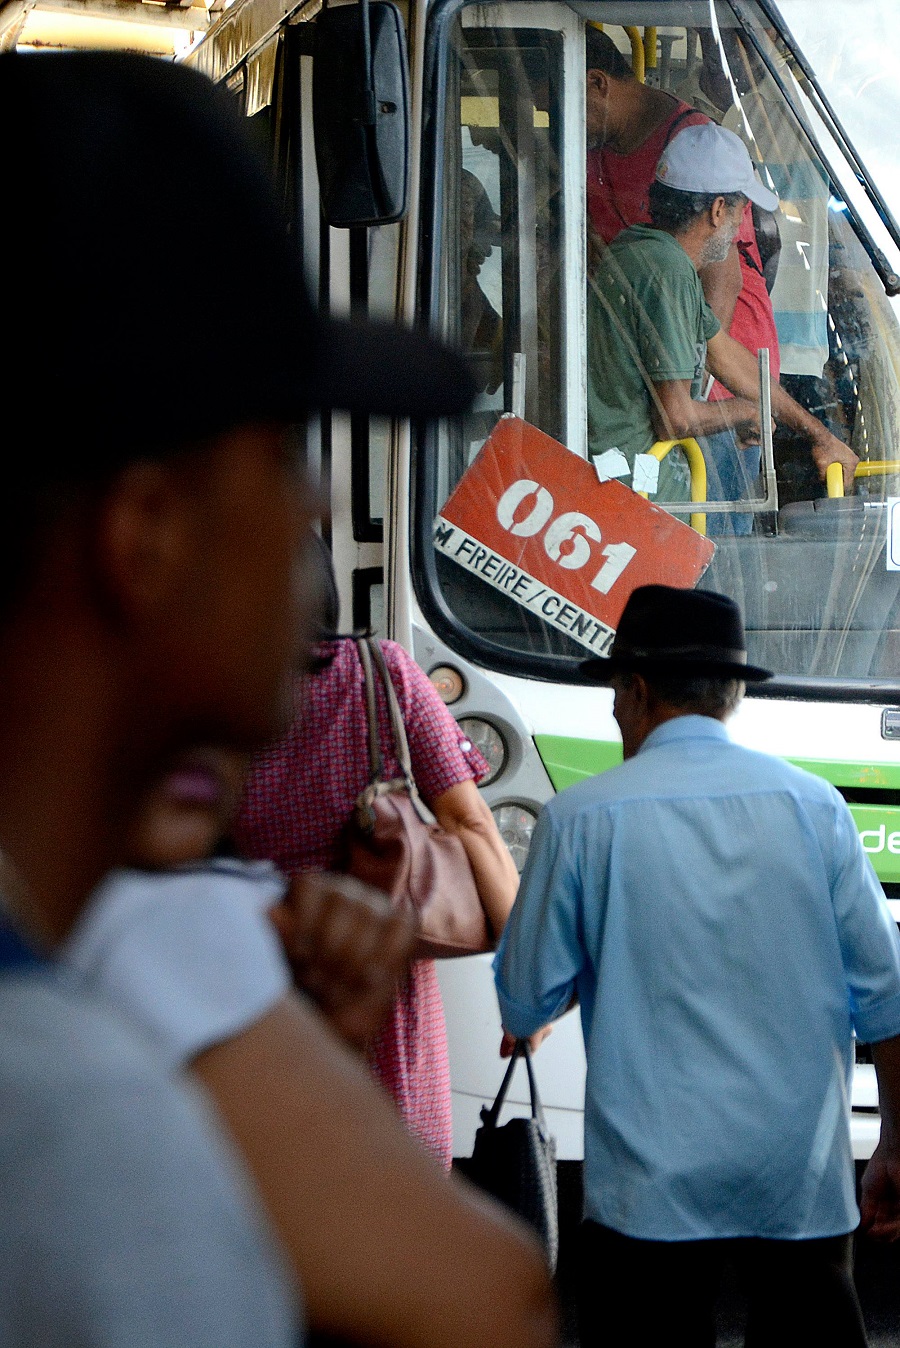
{"points": [[188, 955], [125, 1222]]}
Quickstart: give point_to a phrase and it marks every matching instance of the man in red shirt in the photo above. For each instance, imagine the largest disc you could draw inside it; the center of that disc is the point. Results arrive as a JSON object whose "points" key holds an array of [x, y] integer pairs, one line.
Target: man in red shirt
{"points": [[629, 125]]}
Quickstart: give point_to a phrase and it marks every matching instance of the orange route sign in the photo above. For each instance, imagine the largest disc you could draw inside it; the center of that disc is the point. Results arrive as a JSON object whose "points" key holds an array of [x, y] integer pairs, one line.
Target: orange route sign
{"points": [[533, 520]]}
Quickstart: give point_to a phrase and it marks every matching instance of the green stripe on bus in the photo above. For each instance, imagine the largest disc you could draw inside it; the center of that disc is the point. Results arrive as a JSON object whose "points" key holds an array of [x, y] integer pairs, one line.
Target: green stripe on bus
{"points": [[879, 827], [881, 776], [570, 760]]}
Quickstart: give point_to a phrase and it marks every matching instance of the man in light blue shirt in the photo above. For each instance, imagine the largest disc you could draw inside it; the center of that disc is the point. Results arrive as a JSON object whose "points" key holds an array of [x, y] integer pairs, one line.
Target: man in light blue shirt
{"points": [[714, 914]]}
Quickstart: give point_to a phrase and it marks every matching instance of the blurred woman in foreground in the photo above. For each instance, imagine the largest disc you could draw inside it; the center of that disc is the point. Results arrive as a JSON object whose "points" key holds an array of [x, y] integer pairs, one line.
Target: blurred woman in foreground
{"points": [[386, 1249]]}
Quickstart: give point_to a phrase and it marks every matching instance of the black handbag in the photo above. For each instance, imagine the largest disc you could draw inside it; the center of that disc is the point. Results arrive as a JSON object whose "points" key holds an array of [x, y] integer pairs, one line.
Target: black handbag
{"points": [[516, 1162]]}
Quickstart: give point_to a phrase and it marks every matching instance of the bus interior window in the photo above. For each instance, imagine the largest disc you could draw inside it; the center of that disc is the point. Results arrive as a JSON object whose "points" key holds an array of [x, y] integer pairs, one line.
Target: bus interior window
{"points": [[373, 267], [501, 279], [502, 158]]}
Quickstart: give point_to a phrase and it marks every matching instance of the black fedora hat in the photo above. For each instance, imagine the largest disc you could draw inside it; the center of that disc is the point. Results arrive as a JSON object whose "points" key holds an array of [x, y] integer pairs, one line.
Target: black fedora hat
{"points": [[156, 293], [677, 632]]}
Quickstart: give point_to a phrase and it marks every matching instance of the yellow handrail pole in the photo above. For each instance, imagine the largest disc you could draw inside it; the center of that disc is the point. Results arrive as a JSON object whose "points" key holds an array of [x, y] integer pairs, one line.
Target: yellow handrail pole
{"points": [[650, 48], [697, 465], [834, 480], [834, 473], [876, 467], [637, 53], [595, 24]]}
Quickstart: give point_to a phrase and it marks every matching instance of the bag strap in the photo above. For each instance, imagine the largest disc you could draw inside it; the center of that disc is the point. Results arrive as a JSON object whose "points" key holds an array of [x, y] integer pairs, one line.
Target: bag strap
{"points": [[376, 760], [490, 1116], [401, 743], [675, 124]]}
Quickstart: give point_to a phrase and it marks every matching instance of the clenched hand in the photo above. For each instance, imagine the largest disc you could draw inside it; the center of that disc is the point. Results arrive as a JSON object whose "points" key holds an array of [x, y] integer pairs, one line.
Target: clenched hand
{"points": [[826, 449], [880, 1200], [347, 948]]}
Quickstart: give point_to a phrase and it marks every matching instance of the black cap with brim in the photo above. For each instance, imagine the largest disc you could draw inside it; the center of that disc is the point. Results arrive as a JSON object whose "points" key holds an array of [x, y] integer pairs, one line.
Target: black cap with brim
{"points": [[159, 296]]}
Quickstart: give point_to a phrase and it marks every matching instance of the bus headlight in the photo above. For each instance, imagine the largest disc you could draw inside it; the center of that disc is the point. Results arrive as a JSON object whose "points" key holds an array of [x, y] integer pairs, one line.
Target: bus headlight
{"points": [[489, 743], [516, 824], [449, 683]]}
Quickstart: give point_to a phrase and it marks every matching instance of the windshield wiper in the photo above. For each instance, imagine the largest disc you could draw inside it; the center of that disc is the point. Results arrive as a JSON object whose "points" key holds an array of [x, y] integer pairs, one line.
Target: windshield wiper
{"points": [[888, 277]]}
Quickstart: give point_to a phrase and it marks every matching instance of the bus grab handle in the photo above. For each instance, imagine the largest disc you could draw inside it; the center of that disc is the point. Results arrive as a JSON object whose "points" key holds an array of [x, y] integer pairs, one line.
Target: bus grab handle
{"points": [[834, 473], [697, 465], [637, 53], [834, 479]]}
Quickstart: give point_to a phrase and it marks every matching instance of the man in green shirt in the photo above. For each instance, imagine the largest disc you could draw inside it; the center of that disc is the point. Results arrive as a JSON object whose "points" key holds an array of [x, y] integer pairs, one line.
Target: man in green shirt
{"points": [[652, 335]]}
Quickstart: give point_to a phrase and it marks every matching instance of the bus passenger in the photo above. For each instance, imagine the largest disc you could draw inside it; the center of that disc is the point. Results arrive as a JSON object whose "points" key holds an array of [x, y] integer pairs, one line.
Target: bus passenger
{"points": [[651, 332], [154, 590], [481, 335], [715, 916], [793, 252], [796, 263], [801, 285], [629, 126]]}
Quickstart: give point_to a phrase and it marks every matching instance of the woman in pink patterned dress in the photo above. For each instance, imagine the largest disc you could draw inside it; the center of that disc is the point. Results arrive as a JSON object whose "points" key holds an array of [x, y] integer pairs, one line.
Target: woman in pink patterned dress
{"points": [[298, 798]]}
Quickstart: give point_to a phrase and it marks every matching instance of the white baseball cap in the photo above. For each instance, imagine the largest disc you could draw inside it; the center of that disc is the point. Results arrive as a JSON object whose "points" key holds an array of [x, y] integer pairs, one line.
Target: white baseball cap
{"points": [[707, 158]]}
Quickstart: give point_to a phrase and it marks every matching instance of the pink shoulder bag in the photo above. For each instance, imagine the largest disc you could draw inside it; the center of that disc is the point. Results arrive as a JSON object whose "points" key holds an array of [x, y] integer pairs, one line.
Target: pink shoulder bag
{"points": [[394, 842]]}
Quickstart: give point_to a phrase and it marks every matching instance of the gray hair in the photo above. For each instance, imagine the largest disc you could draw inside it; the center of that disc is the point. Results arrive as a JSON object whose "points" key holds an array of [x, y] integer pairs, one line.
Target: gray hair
{"points": [[700, 695], [674, 210]]}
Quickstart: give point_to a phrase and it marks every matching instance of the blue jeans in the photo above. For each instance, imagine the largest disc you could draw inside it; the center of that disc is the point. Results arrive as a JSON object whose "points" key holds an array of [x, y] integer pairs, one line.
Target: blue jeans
{"points": [[732, 474]]}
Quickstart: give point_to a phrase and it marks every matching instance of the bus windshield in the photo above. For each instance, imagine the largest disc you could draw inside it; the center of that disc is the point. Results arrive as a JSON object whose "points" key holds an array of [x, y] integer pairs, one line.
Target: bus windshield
{"points": [[584, 317]]}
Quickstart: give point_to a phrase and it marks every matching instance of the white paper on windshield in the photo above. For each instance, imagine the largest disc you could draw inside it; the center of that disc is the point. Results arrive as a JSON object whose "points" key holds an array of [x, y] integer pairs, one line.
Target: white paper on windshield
{"points": [[646, 473], [611, 463]]}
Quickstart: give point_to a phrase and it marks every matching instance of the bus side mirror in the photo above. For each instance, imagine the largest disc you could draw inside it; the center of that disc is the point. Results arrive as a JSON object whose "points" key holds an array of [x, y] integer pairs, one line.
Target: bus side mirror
{"points": [[361, 113]]}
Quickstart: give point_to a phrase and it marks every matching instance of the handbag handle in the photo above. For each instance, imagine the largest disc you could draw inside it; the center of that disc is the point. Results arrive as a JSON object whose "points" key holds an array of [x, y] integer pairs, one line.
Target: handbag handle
{"points": [[370, 652], [491, 1115], [376, 761], [401, 743]]}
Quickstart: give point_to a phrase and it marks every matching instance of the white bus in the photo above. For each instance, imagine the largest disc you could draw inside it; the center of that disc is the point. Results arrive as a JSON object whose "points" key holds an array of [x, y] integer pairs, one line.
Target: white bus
{"points": [[491, 250]]}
